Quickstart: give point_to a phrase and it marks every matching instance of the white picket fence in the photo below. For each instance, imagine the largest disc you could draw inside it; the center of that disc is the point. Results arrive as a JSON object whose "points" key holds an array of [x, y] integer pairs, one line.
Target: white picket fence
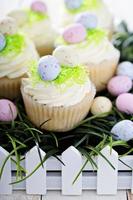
{"points": [[55, 176]]}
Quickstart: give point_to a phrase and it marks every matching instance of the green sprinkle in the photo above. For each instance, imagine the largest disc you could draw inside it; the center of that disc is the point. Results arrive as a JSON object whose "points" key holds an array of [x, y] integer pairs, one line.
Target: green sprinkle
{"points": [[86, 6], [35, 16], [68, 76], [14, 45], [96, 35]]}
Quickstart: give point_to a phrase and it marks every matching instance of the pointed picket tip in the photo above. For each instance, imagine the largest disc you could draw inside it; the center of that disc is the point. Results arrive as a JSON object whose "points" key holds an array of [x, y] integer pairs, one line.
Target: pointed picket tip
{"points": [[3, 151], [108, 150], [70, 150], [34, 150]]}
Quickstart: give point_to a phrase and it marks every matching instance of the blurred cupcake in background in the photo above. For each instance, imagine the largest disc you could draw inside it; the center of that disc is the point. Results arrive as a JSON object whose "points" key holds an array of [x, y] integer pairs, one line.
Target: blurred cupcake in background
{"points": [[79, 10], [56, 94], [16, 53], [36, 23], [83, 45]]}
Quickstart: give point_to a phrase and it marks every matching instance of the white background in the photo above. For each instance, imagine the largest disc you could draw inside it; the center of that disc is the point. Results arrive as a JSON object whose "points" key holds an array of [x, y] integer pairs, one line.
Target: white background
{"points": [[122, 9]]}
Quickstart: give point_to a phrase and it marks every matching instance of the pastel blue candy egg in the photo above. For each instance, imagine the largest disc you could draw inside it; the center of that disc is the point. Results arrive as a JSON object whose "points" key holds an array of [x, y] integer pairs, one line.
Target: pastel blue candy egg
{"points": [[125, 69], [123, 130], [2, 42], [73, 4], [88, 20], [48, 68]]}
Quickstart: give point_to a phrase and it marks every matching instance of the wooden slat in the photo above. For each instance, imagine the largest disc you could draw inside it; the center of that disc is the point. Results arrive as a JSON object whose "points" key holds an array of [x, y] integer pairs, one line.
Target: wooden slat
{"points": [[54, 165]]}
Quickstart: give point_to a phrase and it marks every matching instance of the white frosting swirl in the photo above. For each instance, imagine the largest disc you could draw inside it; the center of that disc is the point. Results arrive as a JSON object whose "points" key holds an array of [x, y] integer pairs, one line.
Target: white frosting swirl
{"points": [[14, 67], [52, 95], [85, 53], [41, 32]]}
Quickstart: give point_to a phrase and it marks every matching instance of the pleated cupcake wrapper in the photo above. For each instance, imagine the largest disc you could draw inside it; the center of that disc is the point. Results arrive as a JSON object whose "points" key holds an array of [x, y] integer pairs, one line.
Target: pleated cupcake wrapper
{"points": [[101, 73], [59, 119], [10, 88]]}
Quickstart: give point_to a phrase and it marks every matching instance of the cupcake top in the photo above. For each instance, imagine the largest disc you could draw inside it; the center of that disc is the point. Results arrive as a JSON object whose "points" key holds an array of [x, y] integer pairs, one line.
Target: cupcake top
{"points": [[74, 9], [14, 49], [35, 22], [56, 85], [78, 6], [81, 45], [36, 13]]}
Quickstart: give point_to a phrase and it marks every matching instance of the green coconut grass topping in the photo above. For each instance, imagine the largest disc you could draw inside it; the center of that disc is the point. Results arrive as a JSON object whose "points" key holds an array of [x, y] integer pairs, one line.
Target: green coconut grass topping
{"points": [[68, 76], [95, 36], [86, 6], [35, 16], [14, 44]]}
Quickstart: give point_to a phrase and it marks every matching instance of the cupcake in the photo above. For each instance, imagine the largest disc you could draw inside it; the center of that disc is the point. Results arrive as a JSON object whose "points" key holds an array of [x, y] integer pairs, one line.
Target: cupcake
{"points": [[16, 53], [83, 10], [90, 48], [57, 97], [35, 22]]}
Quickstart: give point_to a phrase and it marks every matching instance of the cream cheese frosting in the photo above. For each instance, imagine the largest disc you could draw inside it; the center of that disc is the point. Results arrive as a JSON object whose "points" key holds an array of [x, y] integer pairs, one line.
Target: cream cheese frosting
{"points": [[40, 32], [61, 92], [105, 19], [15, 64], [86, 52]]}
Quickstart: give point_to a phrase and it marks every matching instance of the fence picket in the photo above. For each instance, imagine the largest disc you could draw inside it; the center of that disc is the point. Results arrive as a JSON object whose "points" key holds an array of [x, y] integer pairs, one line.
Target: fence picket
{"points": [[36, 184], [5, 187], [107, 177], [132, 183], [73, 163]]}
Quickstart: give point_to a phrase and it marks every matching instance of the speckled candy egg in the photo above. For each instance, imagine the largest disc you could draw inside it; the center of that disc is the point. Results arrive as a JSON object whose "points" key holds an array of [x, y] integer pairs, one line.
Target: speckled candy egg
{"points": [[20, 16], [39, 6], [49, 68], [8, 111], [74, 34], [101, 105], [2, 42], [119, 84], [123, 130], [73, 4], [125, 69], [124, 103], [8, 26], [88, 20]]}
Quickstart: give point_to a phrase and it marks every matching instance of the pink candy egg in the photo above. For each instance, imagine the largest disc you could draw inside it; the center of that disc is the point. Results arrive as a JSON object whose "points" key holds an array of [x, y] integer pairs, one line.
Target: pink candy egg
{"points": [[119, 84], [74, 34], [8, 111], [124, 103], [39, 6]]}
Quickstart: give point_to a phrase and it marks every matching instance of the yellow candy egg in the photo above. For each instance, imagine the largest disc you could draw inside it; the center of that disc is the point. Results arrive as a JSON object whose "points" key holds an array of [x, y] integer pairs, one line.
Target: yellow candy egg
{"points": [[101, 105]]}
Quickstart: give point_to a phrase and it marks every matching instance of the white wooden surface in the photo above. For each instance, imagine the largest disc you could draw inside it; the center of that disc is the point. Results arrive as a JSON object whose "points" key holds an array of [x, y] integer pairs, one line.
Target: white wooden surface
{"points": [[36, 184], [73, 163], [55, 195], [5, 180], [107, 177]]}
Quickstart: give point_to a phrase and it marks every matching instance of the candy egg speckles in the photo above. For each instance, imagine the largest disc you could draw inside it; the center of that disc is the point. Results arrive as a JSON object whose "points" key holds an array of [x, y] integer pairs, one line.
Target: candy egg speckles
{"points": [[2, 42], [124, 103], [8, 26], [119, 84], [8, 111], [49, 68], [88, 20], [39, 6], [75, 33], [101, 105], [125, 69], [123, 130], [73, 4]]}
